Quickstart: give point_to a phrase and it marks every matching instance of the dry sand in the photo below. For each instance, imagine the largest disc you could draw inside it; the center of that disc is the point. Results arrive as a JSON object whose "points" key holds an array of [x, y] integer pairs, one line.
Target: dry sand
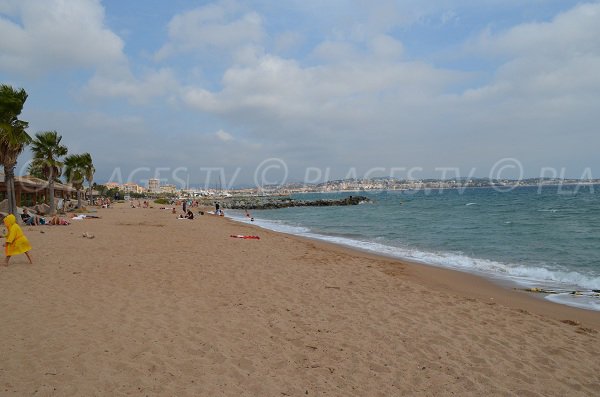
{"points": [[155, 306]]}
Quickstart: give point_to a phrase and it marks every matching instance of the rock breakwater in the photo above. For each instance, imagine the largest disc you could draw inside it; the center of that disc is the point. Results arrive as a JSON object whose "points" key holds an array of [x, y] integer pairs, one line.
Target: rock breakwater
{"points": [[269, 203]]}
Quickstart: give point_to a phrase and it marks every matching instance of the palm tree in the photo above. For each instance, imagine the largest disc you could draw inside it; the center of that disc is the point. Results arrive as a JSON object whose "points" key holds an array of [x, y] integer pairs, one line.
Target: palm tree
{"points": [[47, 152], [76, 166], [35, 169], [13, 137], [89, 172]]}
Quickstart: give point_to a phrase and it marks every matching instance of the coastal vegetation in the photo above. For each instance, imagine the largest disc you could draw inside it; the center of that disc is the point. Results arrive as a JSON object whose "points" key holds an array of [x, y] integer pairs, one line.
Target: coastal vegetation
{"points": [[78, 168], [46, 164], [47, 149], [13, 137]]}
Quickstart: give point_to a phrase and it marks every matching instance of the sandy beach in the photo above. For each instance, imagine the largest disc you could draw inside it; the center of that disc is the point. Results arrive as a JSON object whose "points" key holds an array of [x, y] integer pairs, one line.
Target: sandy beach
{"points": [[156, 306]]}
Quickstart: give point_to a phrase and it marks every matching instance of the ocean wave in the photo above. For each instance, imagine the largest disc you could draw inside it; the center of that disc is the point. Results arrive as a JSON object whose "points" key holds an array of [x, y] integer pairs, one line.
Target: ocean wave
{"points": [[580, 301], [277, 226]]}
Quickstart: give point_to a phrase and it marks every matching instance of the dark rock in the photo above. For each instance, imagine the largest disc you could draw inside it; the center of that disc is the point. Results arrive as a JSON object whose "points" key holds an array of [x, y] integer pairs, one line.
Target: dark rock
{"points": [[269, 203]]}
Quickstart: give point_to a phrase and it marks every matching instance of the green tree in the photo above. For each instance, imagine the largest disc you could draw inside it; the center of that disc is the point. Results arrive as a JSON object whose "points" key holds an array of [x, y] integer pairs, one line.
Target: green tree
{"points": [[47, 152], [13, 137], [101, 189], [111, 192], [35, 169], [89, 171], [75, 170]]}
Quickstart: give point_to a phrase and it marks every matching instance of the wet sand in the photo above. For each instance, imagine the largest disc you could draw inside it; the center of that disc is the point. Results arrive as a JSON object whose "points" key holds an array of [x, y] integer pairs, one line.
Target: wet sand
{"points": [[157, 306]]}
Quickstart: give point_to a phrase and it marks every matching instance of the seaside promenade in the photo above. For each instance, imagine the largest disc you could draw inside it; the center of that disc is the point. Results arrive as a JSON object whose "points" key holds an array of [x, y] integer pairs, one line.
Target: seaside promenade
{"points": [[156, 306]]}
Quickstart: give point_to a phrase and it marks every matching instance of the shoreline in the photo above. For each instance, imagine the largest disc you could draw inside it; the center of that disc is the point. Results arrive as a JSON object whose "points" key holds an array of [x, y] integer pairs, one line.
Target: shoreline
{"points": [[505, 282], [463, 283], [141, 303]]}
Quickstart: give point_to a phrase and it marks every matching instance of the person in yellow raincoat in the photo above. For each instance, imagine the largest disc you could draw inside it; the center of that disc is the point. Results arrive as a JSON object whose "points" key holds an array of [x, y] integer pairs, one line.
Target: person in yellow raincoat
{"points": [[16, 242]]}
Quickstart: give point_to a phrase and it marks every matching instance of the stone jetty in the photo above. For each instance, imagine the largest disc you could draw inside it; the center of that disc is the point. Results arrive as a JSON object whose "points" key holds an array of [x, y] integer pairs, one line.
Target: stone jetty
{"points": [[272, 202]]}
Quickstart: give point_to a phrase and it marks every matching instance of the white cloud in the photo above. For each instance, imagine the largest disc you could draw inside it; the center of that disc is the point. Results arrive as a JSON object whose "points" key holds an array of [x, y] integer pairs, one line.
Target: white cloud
{"points": [[224, 136], [287, 41], [547, 60], [337, 87], [201, 99], [56, 35], [277, 87], [384, 46], [222, 26], [336, 51], [66, 36], [449, 16], [363, 94], [142, 90], [571, 33]]}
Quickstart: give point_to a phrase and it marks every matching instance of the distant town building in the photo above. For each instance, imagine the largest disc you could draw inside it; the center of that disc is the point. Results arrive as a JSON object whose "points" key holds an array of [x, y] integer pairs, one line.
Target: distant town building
{"points": [[154, 185], [170, 189], [132, 188], [112, 185]]}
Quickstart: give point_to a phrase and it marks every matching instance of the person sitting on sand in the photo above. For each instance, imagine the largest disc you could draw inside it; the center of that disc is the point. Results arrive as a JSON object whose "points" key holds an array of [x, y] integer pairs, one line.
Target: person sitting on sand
{"points": [[16, 242], [30, 219], [189, 215]]}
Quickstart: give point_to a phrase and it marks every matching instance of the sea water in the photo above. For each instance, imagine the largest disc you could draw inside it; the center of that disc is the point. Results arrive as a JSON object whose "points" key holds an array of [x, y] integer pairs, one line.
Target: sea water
{"points": [[534, 237]]}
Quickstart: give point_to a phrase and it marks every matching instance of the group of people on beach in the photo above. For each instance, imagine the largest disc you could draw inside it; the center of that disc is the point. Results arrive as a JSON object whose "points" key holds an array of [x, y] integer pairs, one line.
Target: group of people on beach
{"points": [[31, 219], [16, 242], [102, 202], [138, 204], [187, 212]]}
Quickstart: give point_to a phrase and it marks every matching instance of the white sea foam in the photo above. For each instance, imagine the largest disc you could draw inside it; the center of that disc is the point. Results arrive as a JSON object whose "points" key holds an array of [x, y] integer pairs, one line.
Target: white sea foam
{"points": [[468, 204], [581, 301], [519, 274], [271, 225]]}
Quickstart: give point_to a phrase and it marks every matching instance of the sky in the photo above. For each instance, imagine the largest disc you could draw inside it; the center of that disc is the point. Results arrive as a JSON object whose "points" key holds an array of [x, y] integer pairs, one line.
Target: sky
{"points": [[259, 92]]}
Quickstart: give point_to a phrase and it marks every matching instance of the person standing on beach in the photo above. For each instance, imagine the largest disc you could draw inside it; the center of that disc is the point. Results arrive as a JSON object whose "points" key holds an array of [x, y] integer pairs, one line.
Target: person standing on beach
{"points": [[16, 242]]}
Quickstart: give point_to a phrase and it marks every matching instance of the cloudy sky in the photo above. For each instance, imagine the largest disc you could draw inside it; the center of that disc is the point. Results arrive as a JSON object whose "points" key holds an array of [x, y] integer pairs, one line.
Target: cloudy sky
{"points": [[325, 89]]}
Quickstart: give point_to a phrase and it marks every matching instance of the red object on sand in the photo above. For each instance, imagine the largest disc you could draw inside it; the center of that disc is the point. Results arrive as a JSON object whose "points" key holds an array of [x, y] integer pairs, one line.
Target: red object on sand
{"points": [[245, 237]]}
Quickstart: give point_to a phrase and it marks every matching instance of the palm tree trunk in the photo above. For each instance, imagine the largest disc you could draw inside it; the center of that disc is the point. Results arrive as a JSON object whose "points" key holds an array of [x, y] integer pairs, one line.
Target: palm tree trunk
{"points": [[51, 192], [10, 197], [9, 179], [79, 199], [91, 194]]}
